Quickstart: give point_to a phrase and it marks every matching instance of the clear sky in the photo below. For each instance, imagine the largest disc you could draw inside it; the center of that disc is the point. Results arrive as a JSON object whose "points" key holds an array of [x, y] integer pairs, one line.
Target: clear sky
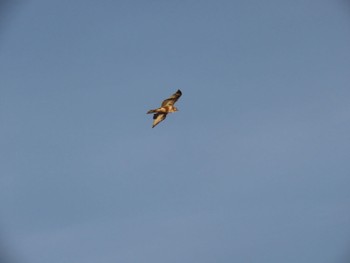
{"points": [[253, 168]]}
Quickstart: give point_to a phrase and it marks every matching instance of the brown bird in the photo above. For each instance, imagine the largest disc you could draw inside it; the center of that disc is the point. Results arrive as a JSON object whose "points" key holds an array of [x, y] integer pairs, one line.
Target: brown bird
{"points": [[166, 107]]}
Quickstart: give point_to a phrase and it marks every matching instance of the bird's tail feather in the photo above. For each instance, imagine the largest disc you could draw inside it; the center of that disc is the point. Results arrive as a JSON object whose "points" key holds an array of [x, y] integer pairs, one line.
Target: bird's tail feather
{"points": [[151, 111]]}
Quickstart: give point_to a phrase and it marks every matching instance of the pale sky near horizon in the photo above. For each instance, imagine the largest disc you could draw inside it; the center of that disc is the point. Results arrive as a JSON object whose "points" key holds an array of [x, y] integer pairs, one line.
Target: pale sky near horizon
{"points": [[253, 168]]}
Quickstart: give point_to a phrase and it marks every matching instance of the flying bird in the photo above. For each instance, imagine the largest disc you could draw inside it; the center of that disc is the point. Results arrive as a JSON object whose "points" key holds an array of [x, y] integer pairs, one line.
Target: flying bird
{"points": [[166, 107]]}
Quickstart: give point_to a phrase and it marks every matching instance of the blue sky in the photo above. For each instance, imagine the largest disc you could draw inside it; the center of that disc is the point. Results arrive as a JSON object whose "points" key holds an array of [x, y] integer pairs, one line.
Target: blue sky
{"points": [[253, 168]]}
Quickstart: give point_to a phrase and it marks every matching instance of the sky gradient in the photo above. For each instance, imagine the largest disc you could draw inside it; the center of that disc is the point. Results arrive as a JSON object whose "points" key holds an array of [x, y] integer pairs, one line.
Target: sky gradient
{"points": [[253, 168]]}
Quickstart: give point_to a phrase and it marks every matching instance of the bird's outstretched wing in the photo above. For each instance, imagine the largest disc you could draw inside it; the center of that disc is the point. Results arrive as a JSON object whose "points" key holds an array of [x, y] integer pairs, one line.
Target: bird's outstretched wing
{"points": [[172, 99], [157, 118]]}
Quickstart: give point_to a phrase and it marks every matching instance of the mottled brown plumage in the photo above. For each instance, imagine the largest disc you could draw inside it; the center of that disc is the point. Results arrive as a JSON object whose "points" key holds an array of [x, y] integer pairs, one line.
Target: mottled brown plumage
{"points": [[166, 107]]}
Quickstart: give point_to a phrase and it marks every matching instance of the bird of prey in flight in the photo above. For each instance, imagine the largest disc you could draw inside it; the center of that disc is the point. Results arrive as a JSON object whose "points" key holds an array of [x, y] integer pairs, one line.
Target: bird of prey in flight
{"points": [[166, 107]]}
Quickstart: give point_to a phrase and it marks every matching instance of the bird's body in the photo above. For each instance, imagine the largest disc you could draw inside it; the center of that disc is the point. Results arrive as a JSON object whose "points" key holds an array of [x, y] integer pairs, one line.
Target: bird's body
{"points": [[166, 107]]}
